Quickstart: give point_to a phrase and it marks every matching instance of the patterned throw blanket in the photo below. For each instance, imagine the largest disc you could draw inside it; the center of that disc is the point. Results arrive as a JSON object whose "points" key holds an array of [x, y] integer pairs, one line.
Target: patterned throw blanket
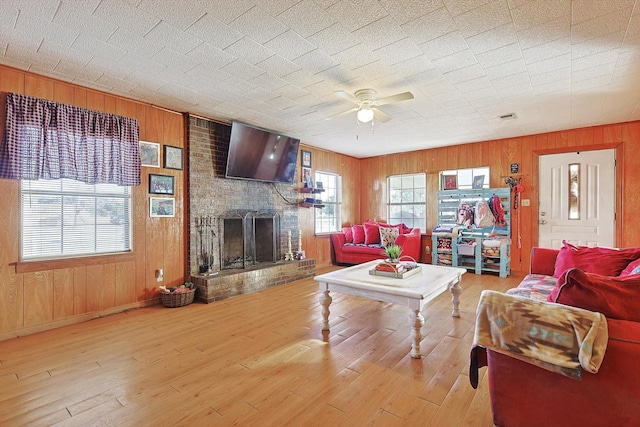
{"points": [[556, 337]]}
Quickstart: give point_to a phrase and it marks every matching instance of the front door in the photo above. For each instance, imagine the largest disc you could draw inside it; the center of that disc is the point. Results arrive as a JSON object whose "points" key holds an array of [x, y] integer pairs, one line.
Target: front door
{"points": [[577, 199]]}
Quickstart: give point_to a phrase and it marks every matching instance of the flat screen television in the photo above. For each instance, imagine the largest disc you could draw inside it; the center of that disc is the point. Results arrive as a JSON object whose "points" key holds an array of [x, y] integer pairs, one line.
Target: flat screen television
{"points": [[261, 155]]}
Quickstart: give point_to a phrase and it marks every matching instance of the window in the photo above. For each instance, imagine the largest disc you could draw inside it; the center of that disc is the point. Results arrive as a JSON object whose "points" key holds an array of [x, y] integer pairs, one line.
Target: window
{"points": [[465, 179], [408, 200], [327, 218], [65, 217]]}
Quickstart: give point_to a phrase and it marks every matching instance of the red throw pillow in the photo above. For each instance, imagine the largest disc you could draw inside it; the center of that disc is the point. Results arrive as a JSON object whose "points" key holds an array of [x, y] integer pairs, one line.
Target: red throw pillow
{"points": [[615, 297], [348, 234], [371, 233], [358, 233], [605, 261]]}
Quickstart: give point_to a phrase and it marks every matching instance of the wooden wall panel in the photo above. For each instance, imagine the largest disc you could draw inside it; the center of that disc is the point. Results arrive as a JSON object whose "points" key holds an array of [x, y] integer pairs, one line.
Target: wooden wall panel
{"points": [[38, 298], [79, 290], [62, 293], [499, 155], [95, 288], [35, 299]]}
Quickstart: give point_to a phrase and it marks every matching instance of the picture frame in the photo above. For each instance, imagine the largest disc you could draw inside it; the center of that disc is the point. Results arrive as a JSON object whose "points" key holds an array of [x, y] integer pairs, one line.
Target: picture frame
{"points": [[161, 184], [162, 207], [306, 175], [173, 157], [478, 182], [450, 182], [306, 159], [149, 154]]}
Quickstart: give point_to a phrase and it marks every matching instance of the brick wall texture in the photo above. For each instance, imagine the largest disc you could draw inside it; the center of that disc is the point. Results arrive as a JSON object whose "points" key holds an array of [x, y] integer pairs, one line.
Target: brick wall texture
{"points": [[211, 194]]}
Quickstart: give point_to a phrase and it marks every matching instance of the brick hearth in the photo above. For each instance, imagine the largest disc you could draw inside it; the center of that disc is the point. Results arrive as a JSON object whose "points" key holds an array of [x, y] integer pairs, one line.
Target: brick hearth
{"points": [[229, 283]]}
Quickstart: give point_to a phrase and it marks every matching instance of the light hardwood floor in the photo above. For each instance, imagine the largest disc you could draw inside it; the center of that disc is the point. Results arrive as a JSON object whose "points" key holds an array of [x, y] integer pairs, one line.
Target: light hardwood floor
{"points": [[254, 360]]}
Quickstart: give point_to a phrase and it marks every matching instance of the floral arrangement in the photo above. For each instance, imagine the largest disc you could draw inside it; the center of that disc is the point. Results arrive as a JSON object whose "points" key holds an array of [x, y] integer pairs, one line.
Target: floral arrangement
{"points": [[188, 286]]}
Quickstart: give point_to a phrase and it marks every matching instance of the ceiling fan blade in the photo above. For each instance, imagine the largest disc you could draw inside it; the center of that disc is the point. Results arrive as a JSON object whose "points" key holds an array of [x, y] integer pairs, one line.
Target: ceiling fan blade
{"points": [[395, 98], [380, 115], [344, 113], [346, 95]]}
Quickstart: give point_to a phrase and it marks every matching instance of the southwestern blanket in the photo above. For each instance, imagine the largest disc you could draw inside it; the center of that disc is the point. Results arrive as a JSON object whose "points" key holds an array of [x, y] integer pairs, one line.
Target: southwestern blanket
{"points": [[556, 337]]}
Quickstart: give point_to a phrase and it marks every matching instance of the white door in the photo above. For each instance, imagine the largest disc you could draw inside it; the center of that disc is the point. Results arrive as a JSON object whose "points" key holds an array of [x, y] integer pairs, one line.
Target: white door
{"points": [[577, 199]]}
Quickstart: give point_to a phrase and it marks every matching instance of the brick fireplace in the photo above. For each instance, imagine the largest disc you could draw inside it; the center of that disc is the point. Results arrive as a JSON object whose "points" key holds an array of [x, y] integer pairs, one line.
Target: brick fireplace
{"points": [[271, 206]]}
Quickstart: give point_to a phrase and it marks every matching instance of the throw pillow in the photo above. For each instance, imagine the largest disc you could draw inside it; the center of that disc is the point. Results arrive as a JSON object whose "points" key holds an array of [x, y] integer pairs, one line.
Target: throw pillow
{"points": [[632, 268], [348, 234], [371, 233], [388, 235], [615, 297], [605, 261], [358, 233]]}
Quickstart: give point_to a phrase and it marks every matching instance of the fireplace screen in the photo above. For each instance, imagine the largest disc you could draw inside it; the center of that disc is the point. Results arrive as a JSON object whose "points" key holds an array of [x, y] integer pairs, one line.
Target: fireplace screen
{"points": [[248, 238]]}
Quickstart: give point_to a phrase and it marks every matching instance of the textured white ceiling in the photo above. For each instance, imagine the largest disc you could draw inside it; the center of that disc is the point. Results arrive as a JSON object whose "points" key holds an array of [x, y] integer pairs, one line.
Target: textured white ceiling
{"points": [[556, 64]]}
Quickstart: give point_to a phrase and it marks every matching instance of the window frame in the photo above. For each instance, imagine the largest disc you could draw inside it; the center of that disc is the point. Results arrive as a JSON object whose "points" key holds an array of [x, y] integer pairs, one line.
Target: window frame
{"points": [[390, 204], [460, 183], [95, 193], [336, 204]]}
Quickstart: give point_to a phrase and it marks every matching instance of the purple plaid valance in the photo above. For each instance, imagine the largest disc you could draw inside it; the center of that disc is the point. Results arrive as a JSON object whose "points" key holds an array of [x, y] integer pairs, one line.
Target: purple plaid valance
{"points": [[48, 140]]}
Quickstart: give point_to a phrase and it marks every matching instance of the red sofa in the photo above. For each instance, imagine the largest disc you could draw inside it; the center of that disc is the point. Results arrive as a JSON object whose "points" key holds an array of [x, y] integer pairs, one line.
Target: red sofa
{"points": [[347, 251], [523, 394]]}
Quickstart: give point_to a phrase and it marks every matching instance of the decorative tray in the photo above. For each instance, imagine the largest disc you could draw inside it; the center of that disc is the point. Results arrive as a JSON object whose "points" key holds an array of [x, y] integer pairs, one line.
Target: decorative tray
{"points": [[396, 270]]}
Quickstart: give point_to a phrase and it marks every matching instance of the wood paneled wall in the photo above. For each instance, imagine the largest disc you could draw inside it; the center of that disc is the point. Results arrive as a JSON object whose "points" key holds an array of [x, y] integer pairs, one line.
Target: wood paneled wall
{"points": [[318, 247], [499, 155], [46, 295], [42, 295]]}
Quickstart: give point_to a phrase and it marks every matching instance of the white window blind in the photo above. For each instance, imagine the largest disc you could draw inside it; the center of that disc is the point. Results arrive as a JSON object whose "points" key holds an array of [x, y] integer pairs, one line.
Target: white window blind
{"points": [[63, 218]]}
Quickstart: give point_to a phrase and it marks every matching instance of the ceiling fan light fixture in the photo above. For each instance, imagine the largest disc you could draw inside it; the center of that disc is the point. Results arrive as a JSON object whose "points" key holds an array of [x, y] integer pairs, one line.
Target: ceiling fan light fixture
{"points": [[365, 114]]}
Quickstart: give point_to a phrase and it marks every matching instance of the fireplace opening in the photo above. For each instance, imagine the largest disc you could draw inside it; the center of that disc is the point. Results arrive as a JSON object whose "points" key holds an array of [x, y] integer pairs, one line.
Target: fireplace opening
{"points": [[248, 238]]}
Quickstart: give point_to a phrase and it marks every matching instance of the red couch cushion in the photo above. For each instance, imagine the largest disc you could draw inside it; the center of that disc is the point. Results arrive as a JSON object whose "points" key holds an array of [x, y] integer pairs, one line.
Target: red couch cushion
{"points": [[371, 233], [348, 234], [358, 233], [615, 297], [605, 261]]}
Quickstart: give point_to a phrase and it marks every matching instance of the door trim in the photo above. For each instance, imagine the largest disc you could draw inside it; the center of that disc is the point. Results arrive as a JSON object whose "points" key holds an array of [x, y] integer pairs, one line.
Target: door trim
{"points": [[535, 179]]}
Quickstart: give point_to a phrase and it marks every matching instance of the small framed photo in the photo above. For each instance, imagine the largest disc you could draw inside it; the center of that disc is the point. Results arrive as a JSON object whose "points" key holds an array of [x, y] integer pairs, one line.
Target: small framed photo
{"points": [[161, 184], [306, 159], [478, 181], [172, 157], [306, 176], [450, 182], [150, 154], [162, 207]]}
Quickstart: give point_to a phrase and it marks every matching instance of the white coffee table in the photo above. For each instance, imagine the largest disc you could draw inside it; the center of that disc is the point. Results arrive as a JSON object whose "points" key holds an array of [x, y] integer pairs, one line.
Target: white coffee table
{"points": [[414, 291]]}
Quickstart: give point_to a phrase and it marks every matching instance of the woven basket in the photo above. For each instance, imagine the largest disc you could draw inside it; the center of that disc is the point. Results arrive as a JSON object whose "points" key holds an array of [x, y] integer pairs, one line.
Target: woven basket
{"points": [[177, 299]]}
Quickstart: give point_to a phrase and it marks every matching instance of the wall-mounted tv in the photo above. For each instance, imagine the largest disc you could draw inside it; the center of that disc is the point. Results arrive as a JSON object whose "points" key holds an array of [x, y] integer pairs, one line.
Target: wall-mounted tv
{"points": [[261, 155]]}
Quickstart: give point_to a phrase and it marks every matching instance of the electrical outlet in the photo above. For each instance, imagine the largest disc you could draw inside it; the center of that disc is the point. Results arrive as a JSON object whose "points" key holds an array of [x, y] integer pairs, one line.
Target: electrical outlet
{"points": [[526, 202]]}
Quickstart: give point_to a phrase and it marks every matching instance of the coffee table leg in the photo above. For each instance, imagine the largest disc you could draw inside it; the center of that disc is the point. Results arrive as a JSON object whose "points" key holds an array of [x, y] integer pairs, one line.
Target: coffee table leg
{"points": [[325, 301], [456, 290], [416, 321]]}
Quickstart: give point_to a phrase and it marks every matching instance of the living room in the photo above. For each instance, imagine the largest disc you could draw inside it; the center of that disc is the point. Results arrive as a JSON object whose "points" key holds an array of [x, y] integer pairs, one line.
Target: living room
{"points": [[43, 295]]}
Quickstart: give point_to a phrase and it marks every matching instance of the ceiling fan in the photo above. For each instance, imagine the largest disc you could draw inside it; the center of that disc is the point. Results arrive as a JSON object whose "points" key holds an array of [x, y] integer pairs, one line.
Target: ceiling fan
{"points": [[367, 104]]}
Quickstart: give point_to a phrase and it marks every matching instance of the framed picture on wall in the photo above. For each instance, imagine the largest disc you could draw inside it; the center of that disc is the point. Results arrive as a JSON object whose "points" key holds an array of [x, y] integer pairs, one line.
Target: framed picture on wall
{"points": [[172, 157], [149, 154], [162, 206], [478, 181], [450, 182], [306, 159], [161, 184]]}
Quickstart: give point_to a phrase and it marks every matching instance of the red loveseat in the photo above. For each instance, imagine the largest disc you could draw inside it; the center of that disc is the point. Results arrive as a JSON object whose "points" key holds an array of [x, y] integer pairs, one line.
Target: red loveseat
{"points": [[362, 243], [523, 394]]}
